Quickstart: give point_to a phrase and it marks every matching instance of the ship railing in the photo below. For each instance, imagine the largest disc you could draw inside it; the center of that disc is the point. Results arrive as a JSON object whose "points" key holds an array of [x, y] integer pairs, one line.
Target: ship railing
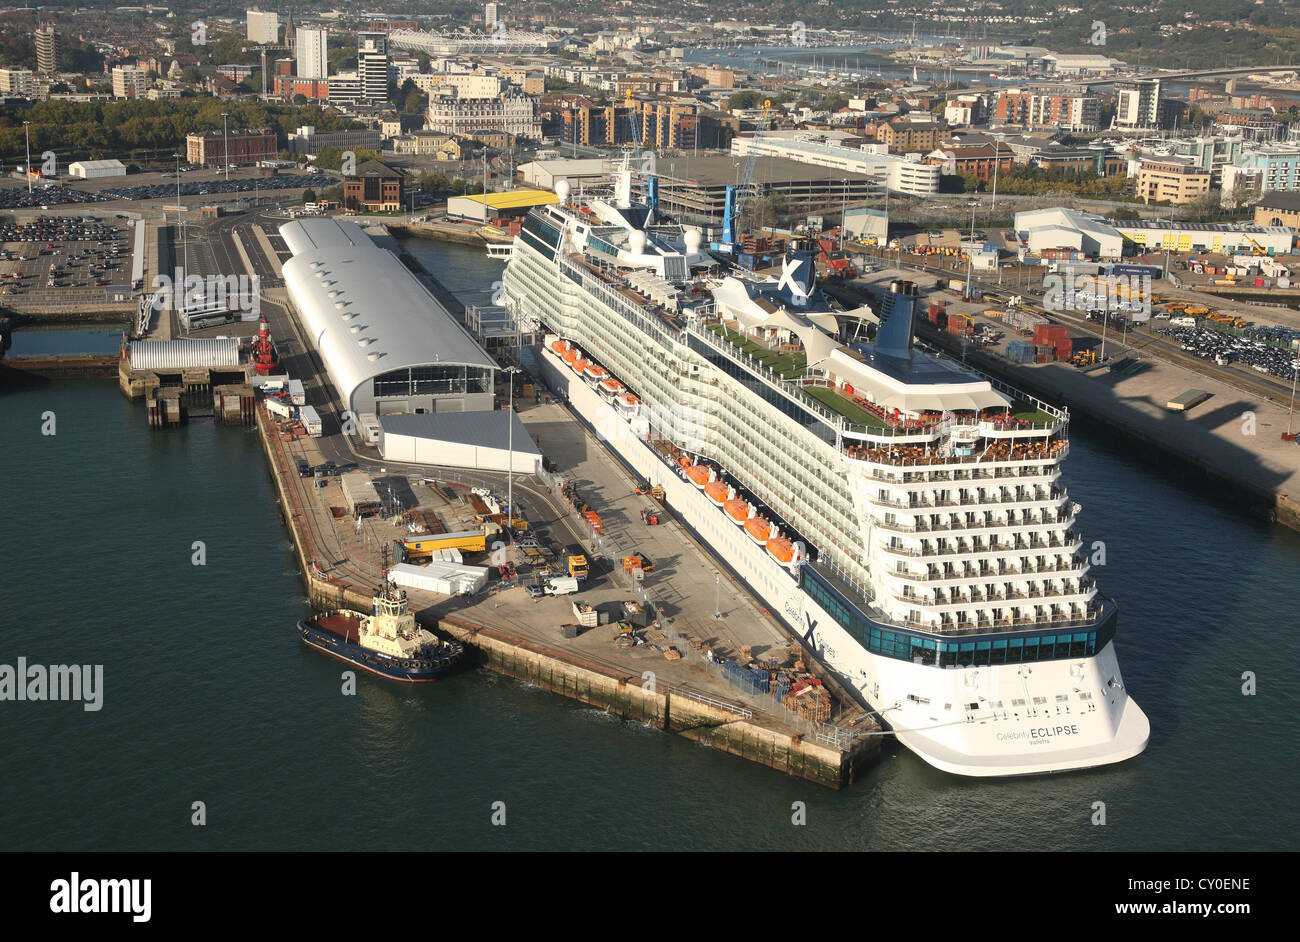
{"points": [[1062, 620]]}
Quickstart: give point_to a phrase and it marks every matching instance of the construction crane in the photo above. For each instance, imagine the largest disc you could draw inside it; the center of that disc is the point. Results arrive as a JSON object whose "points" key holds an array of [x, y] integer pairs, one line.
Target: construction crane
{"points": [[731, 227], [264, 49]]}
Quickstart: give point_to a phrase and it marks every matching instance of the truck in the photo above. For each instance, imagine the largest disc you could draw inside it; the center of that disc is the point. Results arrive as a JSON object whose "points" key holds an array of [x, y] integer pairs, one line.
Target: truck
{"points": [[560, 585], [276, 407], [578, 567], [297, 395], [310, 420], [368, 428]]}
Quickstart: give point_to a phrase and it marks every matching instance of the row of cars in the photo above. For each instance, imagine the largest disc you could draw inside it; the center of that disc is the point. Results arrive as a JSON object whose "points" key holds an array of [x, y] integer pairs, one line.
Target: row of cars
{"points": [[50, 194], [1225, 348], [207, 187], [59, 229]]}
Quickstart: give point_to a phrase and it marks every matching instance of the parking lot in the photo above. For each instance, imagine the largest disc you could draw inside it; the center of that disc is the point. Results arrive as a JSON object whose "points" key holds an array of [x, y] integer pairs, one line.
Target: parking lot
{"points": [[83, 254]]}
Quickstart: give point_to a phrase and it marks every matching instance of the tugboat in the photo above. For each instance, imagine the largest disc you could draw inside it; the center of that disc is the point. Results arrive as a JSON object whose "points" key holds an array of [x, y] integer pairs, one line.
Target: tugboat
{"points": [[387, 642]]}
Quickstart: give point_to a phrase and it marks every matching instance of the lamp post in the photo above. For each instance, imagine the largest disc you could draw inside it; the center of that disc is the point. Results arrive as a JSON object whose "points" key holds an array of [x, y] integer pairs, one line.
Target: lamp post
{"points": [[225, 138], [1295, 372], [510, 372], [27, 167], [185, 245]]}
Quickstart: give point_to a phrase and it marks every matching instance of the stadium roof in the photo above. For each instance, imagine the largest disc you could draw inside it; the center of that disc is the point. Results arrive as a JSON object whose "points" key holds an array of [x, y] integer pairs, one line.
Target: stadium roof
{"points": [[365, 311]]}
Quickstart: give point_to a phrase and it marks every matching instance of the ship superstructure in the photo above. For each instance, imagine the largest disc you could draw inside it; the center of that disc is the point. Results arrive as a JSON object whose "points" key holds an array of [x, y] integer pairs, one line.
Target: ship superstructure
{"points": [[904, 514]]}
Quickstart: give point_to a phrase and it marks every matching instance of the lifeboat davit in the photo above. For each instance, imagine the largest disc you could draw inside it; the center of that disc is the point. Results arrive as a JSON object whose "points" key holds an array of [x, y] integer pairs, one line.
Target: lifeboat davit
{"points": [[759, 530], [718, 492], [700, 475], [783, 551], [739, 511]]}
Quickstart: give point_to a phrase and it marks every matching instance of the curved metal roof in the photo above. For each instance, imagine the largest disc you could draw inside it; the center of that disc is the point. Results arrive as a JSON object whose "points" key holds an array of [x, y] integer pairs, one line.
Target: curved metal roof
{"points": [[364, 310], [212, 353]]}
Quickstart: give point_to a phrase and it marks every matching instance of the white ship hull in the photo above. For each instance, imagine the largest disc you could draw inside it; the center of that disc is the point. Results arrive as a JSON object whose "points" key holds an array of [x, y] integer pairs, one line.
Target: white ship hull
{"points": [[1010, 719]]}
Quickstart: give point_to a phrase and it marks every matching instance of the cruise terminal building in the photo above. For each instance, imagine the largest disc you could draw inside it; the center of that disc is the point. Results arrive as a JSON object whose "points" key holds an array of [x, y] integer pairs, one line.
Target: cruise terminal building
{"points": [[388, 344]]}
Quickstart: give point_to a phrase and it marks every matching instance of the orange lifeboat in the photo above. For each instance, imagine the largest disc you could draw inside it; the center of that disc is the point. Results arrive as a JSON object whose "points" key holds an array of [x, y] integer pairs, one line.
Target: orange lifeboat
{"points": [[759, 530], [684, 462], [611, 387], [597, 373], [570, 355], [783, 551], [717, 492], [699, 474], [628, 404], [579, 365], [738, 511], [560, 346]]}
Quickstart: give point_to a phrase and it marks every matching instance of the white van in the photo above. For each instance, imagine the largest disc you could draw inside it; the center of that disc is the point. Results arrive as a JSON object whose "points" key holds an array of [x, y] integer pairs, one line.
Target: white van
{"points": [[560, 585]]}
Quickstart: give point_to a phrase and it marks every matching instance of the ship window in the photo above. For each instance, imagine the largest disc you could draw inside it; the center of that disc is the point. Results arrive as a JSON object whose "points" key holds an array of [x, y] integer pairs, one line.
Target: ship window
{"points": [[1040, 701]]}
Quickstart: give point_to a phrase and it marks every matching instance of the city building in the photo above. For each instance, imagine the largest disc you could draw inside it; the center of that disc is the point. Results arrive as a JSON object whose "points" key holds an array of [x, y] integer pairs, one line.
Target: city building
{"points": [[128, 82], [307, 140], [1137, 104], [964, 110], [490, 16], [1278, 209], [1211, 152], [695, 188], [96, 169], [1278, 165], [1074, 160], [1171, 179], [310, 51], [374, 186], [18, 82], [459, 84], [1065, 107], [49, 46], [511, 111], [912, 135], [289, 87], [1069, 64], [899, 174], [344, 88], [976, 159], [372, 66], [1257, 124], [208, 148], [410, 353], [263, 27]]}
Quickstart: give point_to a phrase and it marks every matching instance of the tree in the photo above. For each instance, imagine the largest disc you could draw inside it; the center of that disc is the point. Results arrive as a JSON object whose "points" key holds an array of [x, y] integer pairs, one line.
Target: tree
{"points": [[309, 196], [191, 75], [744, 100]]}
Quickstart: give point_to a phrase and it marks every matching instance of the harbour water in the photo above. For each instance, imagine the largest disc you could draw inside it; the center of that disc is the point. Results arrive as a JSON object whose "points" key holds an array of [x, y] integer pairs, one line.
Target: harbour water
{"points": [[210, 695]]}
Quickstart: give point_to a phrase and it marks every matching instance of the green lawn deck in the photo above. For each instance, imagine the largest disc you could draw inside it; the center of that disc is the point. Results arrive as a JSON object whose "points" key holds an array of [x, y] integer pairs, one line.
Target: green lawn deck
{"points": [[1027, 412], [787, 366], [850, 410]]}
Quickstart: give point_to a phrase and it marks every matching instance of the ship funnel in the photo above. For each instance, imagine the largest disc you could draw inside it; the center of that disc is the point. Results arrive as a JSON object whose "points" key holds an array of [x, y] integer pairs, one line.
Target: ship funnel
{"points": [[623, 189]]}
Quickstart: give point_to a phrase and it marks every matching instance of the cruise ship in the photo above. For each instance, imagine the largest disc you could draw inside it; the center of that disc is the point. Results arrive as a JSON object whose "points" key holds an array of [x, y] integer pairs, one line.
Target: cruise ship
{"points": [[903, 515]]}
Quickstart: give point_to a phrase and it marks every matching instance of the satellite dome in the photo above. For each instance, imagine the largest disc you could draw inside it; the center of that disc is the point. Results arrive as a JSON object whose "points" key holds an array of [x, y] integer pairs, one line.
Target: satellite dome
{"points": [[562, 190], [636, 241]]}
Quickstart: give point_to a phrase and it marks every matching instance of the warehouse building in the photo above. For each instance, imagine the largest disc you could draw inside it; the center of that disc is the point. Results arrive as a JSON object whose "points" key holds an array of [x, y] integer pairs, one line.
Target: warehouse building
{"points": [[512, 203], [1060, 228], [96, 169], [1229, 239], [388, 345], [543, 174], [480, 442]]}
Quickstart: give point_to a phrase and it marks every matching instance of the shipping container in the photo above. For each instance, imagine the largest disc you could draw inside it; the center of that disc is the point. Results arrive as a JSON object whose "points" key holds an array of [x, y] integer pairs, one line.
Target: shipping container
{"points": [[297, 395], [368, 428], [276, 407], [310, 421]]}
